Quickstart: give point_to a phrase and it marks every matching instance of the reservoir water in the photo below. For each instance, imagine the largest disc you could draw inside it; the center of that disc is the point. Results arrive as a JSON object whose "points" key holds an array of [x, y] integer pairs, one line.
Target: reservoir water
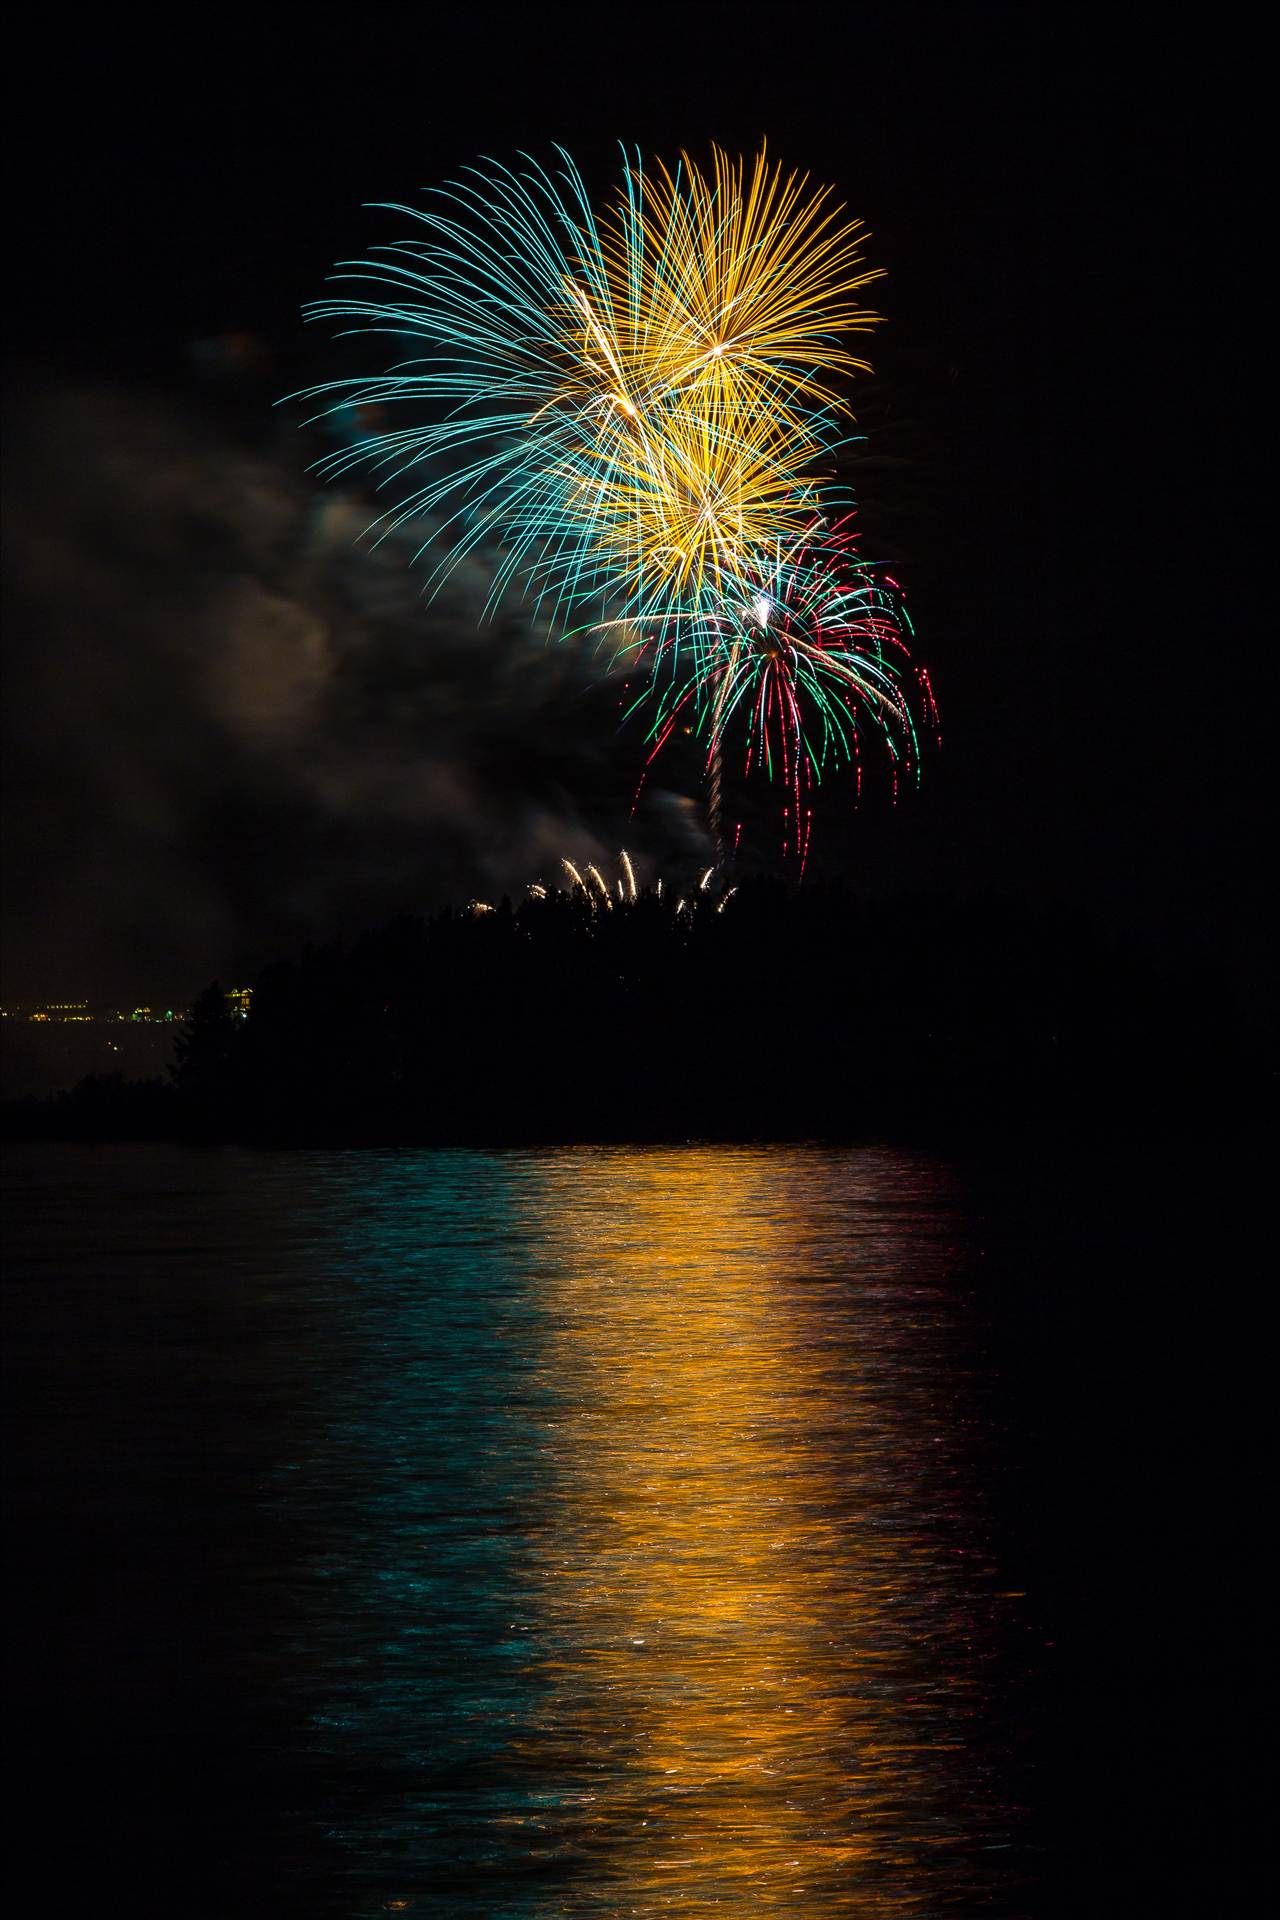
{"points": [[600, 1532]]}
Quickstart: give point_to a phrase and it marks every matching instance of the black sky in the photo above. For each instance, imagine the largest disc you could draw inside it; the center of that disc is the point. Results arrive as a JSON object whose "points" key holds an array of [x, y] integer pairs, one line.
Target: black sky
{"points": [[228, 730]]}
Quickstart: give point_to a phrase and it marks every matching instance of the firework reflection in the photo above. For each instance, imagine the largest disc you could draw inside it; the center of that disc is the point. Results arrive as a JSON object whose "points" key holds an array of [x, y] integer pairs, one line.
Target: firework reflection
{"points": [[762, 1584]]}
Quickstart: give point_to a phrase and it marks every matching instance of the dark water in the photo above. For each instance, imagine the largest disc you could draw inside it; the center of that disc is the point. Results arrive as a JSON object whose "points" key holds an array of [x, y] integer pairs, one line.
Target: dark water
{"points": [[601, 1532]]}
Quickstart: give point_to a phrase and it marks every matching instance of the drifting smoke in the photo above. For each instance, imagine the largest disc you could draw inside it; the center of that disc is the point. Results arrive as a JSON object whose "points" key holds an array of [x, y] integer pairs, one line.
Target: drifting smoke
{"points": [[232, 725]]}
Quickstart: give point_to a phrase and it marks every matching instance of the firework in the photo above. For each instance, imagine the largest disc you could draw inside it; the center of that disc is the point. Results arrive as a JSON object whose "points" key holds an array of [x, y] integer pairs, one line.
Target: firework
{"points": [[749, 279], [598, 896], [637, 414], [804, 655], [626, 404]]}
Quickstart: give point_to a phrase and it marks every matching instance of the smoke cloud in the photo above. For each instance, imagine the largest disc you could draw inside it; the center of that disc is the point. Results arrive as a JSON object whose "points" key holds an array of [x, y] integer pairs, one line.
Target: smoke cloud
{"points": [[235, 724]]}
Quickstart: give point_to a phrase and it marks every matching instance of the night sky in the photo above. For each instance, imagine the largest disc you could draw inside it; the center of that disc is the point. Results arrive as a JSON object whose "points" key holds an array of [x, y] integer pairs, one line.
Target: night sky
{"points": [[229, 728]]}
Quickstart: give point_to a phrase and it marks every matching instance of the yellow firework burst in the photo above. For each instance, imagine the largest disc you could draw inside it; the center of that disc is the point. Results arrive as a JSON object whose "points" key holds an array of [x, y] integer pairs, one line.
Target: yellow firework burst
{"points": [[743, 283]]}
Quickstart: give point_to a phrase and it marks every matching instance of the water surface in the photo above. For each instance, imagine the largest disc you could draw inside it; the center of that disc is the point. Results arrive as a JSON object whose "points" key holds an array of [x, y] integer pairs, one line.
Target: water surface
{"points": [[588, 1532]]}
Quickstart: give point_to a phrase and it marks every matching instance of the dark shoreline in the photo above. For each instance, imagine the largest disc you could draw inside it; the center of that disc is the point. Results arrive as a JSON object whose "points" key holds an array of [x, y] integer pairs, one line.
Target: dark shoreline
{"points": [[768, 1014]]}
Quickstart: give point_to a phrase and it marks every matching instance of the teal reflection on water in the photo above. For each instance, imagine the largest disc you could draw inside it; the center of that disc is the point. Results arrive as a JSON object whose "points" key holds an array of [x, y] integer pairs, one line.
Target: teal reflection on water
{"points": [[411, 1511]]}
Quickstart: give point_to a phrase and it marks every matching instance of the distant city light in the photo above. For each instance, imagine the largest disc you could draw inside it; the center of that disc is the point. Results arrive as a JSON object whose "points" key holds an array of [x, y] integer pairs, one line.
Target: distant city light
{"points": [[83, 1013]]}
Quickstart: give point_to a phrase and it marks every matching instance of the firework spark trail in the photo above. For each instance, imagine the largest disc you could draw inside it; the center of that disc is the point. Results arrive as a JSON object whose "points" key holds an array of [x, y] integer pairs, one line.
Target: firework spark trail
{"points": [[810, 651], [638, 412], [713, 795], [628, 890]]}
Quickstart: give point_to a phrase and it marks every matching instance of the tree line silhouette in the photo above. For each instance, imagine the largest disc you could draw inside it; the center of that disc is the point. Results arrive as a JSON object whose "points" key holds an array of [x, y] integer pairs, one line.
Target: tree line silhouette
{"points": [[773, 1013]]}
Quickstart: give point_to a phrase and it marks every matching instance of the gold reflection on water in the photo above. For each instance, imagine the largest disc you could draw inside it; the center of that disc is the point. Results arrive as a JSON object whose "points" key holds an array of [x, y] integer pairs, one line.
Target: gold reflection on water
{"points": [[751, 1575]]}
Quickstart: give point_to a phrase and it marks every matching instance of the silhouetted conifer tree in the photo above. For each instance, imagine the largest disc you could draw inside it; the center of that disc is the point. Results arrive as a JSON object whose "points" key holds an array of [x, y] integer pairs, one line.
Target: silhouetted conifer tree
{"points": [[205, 1059]]}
